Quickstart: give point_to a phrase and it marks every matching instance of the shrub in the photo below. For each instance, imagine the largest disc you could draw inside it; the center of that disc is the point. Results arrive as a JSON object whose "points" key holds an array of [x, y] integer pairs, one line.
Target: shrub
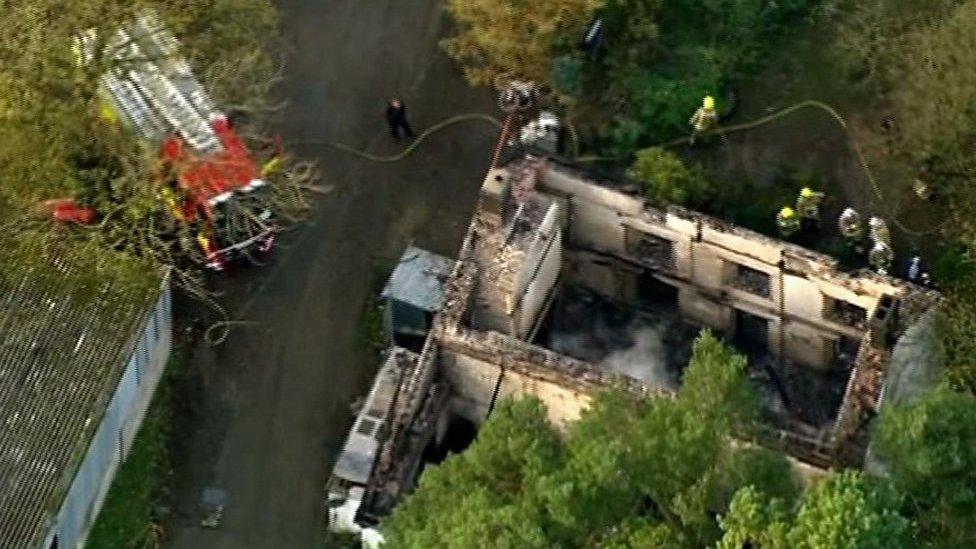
{"points": [[662, 58], [666, 179]]}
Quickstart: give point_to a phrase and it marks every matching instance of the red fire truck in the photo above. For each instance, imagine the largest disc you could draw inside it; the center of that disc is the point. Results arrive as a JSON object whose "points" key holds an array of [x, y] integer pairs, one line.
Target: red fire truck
{"points": [[212, 183]]}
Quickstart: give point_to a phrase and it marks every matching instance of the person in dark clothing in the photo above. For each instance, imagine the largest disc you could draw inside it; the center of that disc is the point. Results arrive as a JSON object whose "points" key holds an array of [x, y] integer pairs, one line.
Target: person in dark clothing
{"points": [[396, 117]]}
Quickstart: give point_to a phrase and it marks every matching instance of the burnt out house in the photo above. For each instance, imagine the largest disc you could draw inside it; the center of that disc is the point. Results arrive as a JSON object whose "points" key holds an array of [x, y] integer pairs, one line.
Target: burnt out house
{"points": [[568, 283]]}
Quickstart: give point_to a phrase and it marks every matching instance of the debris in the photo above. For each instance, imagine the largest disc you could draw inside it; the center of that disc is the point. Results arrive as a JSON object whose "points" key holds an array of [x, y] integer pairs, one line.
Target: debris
{"points": [[212, 501]]}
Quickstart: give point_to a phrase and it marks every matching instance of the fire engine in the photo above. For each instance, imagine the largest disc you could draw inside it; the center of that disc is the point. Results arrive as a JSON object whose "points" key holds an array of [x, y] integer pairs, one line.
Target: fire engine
{"points": [[208, 178]]}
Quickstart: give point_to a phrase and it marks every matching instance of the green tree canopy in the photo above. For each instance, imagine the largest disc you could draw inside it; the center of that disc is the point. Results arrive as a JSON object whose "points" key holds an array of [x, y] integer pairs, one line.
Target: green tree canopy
{"points": [[930, 449], [666, 179], [515, 37], [843, 510], [662, 58], [483, 493], [628, 473]]}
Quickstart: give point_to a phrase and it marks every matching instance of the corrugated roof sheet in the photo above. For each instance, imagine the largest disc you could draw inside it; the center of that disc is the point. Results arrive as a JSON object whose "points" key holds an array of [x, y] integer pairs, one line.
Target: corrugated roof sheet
{"points": [[419, 279], [70, 317]]}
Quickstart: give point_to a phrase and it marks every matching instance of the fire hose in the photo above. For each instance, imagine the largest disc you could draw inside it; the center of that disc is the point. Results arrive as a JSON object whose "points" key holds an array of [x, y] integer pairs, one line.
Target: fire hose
{"points": [[471, 117], [862, 161]]}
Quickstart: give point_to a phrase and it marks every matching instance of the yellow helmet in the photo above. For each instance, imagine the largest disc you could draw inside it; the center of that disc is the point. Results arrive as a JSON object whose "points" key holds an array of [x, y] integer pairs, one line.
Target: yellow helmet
{"points": [[708, 102], [787, 212], [806, 192]]}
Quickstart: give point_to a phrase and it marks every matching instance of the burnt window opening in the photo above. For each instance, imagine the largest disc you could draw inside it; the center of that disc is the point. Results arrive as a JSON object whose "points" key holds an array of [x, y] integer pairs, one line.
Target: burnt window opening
{"points": [[843, 312], [650, 250], [751, 280]]}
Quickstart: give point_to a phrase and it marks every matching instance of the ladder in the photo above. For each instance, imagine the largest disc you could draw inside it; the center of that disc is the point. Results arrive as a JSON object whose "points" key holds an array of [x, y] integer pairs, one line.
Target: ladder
{"points": [[165, 49], [173, 106], [135, 107]]}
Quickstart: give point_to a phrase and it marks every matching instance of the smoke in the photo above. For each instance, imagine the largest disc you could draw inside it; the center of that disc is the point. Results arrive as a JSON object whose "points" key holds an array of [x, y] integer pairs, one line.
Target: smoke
{"points": [[649, 344], [636, 349], [646, 359]]}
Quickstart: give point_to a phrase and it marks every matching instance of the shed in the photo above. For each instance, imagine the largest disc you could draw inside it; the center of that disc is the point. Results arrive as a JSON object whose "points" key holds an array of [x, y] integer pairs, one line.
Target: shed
{"points": [[84, 336], [413, 293]]}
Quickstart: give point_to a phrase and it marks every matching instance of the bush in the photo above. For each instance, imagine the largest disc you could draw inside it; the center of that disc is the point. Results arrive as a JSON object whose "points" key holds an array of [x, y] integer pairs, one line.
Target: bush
{"points": [[929, 450], [662, 58], [666, 179], [514, 37]]}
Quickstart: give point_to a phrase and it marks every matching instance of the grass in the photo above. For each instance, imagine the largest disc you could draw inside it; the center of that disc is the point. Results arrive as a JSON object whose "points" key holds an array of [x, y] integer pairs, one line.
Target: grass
{"points": [[130, 513], [372, 325]]}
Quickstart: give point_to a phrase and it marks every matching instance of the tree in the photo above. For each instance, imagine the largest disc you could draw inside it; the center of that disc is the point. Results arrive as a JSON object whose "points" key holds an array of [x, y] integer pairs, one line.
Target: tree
{"points": [[919, 54], [662, 58], [515, 37], [874, 35], [845, 509], [481, 494], [930, 450], [932, 87], [57, 145], [666, 179], [629, 473]]}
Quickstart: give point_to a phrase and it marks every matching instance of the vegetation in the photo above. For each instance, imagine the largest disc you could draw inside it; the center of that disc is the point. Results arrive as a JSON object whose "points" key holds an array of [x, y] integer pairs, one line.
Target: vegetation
{"points": [[845, 509], [131, 514], [627, 474], [661, 473], [59, 144], [514, 38], [663, 57], [666, 179], [909, 58], [930, 450], [660, 58], [917, 55], [372, 331]]}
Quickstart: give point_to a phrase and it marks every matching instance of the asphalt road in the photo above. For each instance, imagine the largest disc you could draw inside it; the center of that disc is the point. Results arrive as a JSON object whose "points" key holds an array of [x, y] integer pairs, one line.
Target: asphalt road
{"points": [[271, 405]]}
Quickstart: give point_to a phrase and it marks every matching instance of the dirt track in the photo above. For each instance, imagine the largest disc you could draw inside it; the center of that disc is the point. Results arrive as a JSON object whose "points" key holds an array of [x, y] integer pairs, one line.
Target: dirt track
{"points": [[273, 401]]}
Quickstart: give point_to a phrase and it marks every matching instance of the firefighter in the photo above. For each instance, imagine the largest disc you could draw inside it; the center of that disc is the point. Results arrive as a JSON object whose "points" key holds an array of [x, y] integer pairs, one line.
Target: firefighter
{"points": [[880, 257], [212, 259], [787, 222], [703, 119], [922, 189], [878, 230], [849, 224], [396, 117], [915, 269], [808, 205]]}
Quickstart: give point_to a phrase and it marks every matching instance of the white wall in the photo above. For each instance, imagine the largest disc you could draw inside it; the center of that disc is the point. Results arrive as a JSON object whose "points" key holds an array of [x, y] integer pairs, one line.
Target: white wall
{"points": [[539, 273]]}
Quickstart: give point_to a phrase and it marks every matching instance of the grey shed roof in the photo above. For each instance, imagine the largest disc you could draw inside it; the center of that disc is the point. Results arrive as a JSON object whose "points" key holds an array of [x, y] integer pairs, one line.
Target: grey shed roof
{"points": [[69, 321], [419, 279]]}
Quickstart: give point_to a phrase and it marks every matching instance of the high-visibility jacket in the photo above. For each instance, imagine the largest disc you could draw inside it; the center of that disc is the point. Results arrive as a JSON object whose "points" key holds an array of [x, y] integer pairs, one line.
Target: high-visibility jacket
{"points": [[879, 230], [703, 119], [787, 221], [808, 203], [271, 166]]}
